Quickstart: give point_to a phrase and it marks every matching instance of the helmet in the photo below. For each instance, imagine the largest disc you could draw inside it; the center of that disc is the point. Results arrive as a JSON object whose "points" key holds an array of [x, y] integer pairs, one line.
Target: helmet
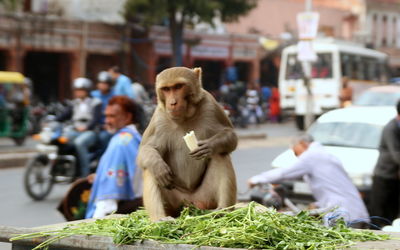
{"points": [[82, 83], [104, 76]]}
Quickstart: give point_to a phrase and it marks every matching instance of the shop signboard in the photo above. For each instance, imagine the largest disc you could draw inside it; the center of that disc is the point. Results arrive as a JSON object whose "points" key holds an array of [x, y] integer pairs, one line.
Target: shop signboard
{"points": [[244, 53], [50, 41], [103, 45], [166, 48], [210, 51]]}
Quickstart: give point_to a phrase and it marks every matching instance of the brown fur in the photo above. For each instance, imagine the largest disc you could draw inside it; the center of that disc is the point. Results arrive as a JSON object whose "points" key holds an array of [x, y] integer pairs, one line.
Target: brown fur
{"points": [[172, 175]]}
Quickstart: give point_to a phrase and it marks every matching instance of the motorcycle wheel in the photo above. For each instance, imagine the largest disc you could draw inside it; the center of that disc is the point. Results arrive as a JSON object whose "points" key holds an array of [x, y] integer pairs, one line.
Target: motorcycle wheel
{"points": [[38, 180]]}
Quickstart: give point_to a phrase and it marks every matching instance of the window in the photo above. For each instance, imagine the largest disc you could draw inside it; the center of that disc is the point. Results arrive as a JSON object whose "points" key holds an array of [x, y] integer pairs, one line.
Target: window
{"points": [[361, 67], [347, 134], [322, 68]]}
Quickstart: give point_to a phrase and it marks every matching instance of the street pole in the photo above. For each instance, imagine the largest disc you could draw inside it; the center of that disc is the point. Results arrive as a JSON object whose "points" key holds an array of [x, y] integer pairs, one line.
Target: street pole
{"points": [[308, 119]]}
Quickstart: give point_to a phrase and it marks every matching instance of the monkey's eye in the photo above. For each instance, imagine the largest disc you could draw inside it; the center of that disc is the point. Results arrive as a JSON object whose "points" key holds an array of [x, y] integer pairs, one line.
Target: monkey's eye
{"points": [[165, 89], [178, 86]]}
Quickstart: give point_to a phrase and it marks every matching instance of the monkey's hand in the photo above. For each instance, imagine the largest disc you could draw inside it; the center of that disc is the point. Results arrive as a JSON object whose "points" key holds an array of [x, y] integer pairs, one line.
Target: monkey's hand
{"points": [[163, 175], [205, 149]]}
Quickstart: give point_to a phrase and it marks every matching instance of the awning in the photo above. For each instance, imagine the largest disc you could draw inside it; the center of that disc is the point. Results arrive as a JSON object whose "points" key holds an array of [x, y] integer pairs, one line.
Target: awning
{"points": [[11, 77], [268, 44]]}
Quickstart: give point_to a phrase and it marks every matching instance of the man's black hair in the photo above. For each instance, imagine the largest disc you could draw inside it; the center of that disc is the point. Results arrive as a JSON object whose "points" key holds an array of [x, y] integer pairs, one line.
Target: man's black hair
{"points": [[116, 69]]}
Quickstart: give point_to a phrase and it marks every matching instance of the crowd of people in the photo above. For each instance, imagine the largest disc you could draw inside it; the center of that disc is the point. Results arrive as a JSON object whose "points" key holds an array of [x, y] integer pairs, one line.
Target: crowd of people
{"points": [[111, 119], [87, 111], [251, 103]]}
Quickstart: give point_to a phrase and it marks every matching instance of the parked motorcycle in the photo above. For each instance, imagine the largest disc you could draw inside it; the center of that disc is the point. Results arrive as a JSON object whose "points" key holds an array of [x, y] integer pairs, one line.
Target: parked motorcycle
{"points": [[56, 161]]}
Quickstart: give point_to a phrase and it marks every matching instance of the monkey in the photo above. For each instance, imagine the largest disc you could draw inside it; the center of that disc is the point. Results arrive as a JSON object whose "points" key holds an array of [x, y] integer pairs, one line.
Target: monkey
{"points": [[172, 175]]}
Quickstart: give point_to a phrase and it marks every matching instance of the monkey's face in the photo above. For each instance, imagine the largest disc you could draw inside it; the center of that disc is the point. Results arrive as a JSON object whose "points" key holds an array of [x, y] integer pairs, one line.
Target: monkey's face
{"points": [[178, 92], [175, 99]]}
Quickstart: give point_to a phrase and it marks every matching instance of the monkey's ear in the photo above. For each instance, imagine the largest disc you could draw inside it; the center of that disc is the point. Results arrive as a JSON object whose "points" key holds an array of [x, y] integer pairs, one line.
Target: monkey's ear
{"points": [[197, 92], [198, 72]]}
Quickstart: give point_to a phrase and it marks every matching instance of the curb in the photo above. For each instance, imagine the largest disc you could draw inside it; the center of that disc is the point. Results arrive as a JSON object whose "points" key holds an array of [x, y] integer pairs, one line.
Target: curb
{"points": [[14, 159], [255, 136]]}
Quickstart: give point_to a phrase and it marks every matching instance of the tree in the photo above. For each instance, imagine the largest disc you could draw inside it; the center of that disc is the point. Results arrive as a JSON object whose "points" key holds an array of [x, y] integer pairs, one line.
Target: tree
{"points": [[10, 5], [178, 14]]}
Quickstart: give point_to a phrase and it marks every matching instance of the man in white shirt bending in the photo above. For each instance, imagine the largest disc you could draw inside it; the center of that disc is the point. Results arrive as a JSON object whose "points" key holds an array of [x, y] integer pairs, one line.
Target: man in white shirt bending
{"points": [[328, 181]]}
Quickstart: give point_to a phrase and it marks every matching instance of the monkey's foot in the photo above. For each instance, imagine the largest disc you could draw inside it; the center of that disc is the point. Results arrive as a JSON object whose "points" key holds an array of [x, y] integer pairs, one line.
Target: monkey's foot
{"points": [[168, 218]]}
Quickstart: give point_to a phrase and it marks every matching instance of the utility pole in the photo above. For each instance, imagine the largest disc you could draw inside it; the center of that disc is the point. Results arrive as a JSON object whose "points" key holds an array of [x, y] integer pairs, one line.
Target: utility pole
{"points": [[309, 117], [308, 26]]}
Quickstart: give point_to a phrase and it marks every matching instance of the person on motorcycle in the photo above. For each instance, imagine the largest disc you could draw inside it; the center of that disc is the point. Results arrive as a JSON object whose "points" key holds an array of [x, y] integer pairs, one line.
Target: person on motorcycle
{"points": [[117, 184], [122, 82], [104, 92], [85, 113], [328, 181]]}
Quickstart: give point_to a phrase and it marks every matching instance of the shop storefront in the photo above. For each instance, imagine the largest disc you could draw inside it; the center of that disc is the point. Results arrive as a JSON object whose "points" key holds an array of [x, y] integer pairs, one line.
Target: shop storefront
{"points": [[52, 52], [214, 53]]}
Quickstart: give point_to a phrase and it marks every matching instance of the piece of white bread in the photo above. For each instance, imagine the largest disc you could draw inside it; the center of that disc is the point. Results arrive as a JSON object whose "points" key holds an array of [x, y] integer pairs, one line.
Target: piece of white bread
{"points": [[191, 140]]}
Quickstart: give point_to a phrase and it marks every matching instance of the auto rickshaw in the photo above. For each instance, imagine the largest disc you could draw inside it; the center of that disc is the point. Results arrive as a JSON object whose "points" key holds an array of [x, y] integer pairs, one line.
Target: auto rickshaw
{"points": [[14, 106]]}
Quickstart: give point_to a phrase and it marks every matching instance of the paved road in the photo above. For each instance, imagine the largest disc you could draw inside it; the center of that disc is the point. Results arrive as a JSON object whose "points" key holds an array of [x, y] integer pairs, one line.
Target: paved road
{"points": [[251, 157]]}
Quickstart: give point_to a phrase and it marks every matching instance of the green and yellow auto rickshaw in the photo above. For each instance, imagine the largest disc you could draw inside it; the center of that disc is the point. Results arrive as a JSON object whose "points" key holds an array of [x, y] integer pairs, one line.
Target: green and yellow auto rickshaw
{"points": [[14, 106]]}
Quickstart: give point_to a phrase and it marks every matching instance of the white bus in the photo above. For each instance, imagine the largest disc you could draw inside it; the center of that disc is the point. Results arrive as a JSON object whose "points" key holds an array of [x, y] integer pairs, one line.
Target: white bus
{"points": [[364, 67]]}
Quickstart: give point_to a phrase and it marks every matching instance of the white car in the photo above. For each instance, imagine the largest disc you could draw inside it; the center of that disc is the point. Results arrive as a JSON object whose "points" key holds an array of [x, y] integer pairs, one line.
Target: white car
{"points": [[385, 95], [352, 135]]}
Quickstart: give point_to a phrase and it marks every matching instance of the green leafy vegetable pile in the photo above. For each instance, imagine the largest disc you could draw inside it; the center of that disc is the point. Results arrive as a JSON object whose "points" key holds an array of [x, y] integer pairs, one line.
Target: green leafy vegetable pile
{"points": [[244, 227]]}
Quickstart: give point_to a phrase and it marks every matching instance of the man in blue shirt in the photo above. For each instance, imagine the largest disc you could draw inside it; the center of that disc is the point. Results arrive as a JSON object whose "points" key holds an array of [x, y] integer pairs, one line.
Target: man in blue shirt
{"points": [[117, 184], [123, 85]]}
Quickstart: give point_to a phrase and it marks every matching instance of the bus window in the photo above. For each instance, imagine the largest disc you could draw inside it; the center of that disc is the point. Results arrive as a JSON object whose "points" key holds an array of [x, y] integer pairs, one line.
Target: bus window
{"points": [[293, 68], [357, 68], [346, 64], [361, 67], [365, 67], [373, 71], [322, 68]]}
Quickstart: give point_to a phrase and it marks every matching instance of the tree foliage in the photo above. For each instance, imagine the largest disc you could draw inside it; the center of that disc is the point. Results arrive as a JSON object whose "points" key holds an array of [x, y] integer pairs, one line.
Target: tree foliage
{"points": [[10, 5], [178, 14]]}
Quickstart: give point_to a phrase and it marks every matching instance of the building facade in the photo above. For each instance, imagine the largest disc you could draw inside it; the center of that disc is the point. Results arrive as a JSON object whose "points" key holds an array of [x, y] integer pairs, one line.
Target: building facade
{"points": [[54, 41], [374, 23], [276, 19], [52, 52], [212, 52], [381, 29]]}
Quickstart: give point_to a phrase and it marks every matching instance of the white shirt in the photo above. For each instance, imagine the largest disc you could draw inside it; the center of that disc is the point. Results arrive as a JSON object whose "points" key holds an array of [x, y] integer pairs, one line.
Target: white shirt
{"points": [[83, 111], [141, 95], [329, 183]]}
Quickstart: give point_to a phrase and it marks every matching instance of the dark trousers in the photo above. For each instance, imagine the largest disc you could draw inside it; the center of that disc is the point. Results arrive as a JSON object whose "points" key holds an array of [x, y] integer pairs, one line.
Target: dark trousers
{"points": [[384, 201], [127, 207]]}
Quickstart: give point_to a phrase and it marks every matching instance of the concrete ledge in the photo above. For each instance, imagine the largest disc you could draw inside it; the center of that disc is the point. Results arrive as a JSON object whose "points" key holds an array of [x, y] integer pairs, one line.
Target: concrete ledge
{"points": [[101, 242], [252, 136], [88, 242], [10, 160]]}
